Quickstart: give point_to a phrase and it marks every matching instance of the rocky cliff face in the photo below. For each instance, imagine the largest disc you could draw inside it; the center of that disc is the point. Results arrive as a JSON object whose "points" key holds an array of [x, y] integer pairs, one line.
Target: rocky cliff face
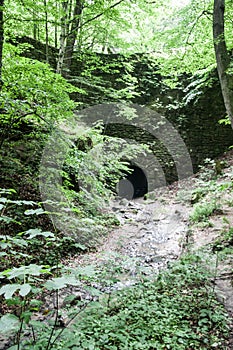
{"points": [[193, 108]]}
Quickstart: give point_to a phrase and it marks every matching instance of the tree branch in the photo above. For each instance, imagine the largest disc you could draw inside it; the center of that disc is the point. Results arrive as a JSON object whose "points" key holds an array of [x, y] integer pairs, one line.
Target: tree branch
{"points": [[95, 17], [203, 13]]}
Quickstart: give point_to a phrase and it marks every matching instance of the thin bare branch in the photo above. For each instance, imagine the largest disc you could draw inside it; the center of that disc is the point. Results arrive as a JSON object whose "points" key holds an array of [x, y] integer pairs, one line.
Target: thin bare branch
{"points": [[97, 16], [203, 13]]}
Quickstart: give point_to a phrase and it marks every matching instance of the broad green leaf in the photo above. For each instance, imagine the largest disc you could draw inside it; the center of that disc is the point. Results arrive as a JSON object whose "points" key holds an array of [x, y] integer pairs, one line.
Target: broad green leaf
{"points": [[5, 240], [61, 282], [38, 211], [7, 191], [20, 272], [19, 242], [3, 253], [9, 289], [80, 246], [5, 245], [7, 220], [26, 316], [25, 289], [88, 271], [3, 200], [38, 232], [22, 202], [9, 323]]}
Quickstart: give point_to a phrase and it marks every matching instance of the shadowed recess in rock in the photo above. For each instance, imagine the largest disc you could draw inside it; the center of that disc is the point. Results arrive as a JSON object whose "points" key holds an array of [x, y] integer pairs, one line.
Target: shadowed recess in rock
{"points": [[133, 185]]}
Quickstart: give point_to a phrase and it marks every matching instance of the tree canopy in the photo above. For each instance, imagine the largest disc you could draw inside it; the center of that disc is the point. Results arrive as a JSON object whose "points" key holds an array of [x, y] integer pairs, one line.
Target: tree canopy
{"points": [[178, 34], [58, 174]]}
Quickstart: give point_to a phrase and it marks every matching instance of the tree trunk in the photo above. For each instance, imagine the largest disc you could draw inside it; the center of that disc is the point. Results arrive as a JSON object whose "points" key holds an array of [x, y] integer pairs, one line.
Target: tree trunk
{"points": [[34, 25], [72, 35], [46, 32], [1, 38], [63, 37], [222, 57]]}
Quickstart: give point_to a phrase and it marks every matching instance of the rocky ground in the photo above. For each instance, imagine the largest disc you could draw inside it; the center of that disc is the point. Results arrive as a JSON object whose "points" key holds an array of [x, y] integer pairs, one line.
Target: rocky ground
{"points": [[153, 233], [156, 231]]}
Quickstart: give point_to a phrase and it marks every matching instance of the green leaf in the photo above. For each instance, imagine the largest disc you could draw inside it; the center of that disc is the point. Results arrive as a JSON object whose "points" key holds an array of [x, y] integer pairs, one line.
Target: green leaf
{"points": [[7, 191], [22, 202], [25, 289], [38, 232], [3, 200], [7, 220], [26, 316], [80, 246], [61, 282], [38, 211], [87, 271], [20, 272], [3, 254], [9, 289], [9, 323], [5, 245]]}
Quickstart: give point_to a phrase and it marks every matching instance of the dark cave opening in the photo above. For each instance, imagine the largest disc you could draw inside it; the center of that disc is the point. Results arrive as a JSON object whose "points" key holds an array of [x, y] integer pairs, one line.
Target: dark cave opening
{"points": [[133, 185]]}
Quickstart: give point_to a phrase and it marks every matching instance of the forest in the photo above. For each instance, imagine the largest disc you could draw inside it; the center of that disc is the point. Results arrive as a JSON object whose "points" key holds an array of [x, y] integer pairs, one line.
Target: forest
{"points": [[116, 178]]}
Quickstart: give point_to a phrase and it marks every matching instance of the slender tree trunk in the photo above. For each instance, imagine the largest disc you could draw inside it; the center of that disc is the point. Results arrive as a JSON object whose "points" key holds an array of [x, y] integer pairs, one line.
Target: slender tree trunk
{"points": [[72, 35], [56, 27], [34, 25], [222, 56], [46, 32], [63, 37], [69, 37], [1, 38]]}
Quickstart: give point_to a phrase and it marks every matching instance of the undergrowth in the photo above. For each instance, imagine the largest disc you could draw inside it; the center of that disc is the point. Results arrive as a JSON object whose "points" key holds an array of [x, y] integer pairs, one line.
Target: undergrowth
{"points": [[177, 310]]}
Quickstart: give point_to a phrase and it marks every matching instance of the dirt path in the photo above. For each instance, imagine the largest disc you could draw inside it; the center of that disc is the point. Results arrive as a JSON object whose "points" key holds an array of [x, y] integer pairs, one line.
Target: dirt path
{"points": [[151, 232], [154, 233]]}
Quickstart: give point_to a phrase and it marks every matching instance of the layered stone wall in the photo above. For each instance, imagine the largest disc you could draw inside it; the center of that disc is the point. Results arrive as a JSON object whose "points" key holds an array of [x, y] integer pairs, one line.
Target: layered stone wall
{"points": [[193, 109]]}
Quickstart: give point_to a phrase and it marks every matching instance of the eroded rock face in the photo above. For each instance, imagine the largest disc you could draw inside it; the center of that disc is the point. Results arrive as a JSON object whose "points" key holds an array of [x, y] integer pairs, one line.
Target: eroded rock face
{"points": [[194, 106]]}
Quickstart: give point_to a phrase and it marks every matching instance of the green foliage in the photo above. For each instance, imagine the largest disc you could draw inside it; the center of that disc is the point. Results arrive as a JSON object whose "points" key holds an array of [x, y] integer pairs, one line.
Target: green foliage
{"points": [[8, 323], [202, 211], [201, 80], [208, 189], [176, 310], [32, 93], [104, 81], [21, 281], [178, 34], [225, 120], [89, 181], [225, 239], [33, 99], [210, 170], [23, 247]]}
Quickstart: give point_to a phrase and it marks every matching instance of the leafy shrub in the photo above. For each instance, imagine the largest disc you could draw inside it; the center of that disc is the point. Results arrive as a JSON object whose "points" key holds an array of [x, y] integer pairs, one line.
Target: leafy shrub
{"points": [[177, 310], [225, 240], [201, 211]]}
